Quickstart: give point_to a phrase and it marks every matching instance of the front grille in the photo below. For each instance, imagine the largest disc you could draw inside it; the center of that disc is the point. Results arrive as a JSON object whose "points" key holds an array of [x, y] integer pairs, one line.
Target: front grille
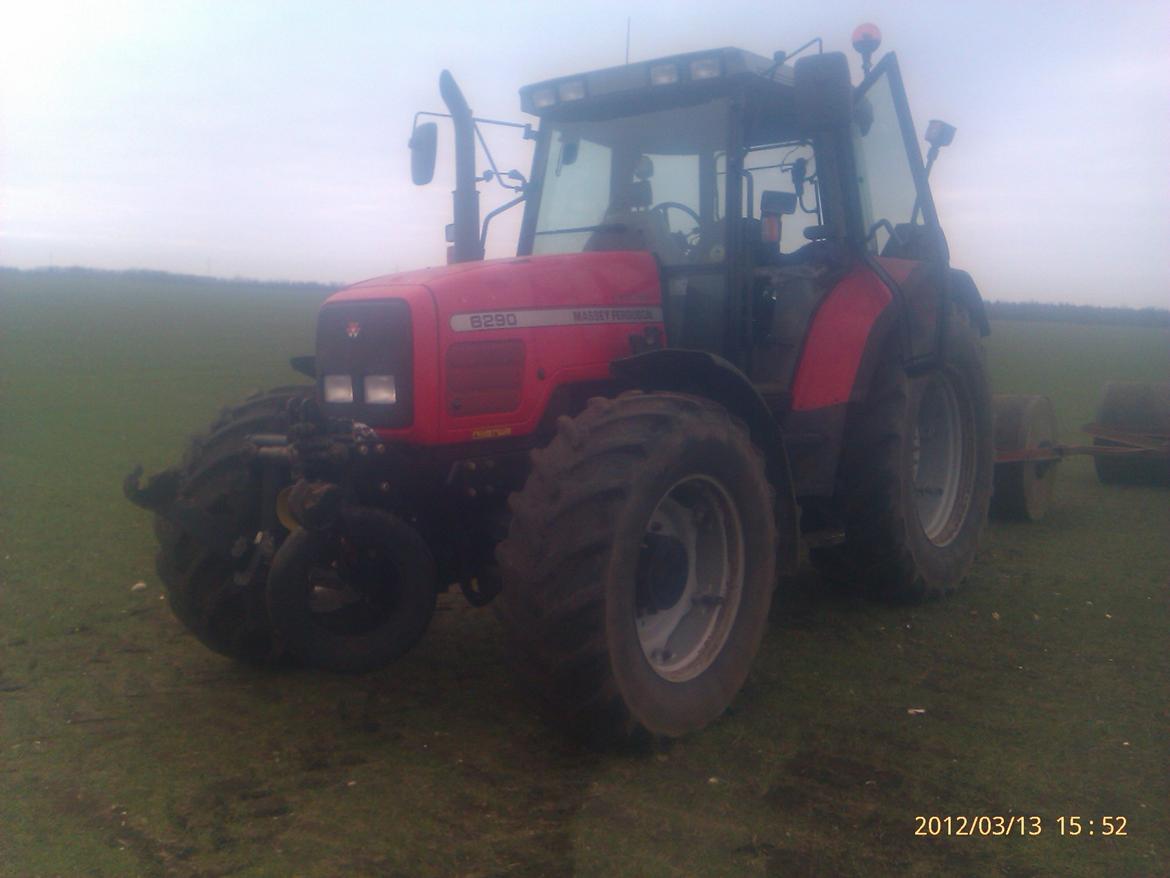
{"points": [[367, 338], [485, 377]]}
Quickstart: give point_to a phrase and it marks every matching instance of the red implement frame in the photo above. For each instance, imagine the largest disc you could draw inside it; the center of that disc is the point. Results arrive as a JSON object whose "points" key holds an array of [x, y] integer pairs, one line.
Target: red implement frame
{"points": [[1128, 444]]}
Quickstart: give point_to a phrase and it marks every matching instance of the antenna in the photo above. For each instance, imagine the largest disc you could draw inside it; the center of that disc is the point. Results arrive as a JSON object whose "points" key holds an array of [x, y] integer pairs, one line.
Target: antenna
{"points": [[627, 39]]}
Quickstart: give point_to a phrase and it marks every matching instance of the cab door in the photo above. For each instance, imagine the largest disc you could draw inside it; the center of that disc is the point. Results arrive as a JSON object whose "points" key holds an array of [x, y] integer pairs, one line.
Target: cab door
{"points": [[901, 231]]}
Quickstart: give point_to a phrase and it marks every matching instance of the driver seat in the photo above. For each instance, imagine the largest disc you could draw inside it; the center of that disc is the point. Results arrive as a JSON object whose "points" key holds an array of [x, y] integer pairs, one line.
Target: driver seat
{"points": [[643, 229]]}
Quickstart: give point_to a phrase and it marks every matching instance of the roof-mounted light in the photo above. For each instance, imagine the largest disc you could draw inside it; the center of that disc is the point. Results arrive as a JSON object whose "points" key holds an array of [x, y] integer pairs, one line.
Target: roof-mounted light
{"points": [[866, 39], [663, 74], [573, 90], [544, 97], [705, 68]]}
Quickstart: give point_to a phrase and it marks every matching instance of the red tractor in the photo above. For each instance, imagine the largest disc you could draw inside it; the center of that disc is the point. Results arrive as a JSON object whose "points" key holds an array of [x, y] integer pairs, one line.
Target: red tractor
{"points": [[730, 331]]}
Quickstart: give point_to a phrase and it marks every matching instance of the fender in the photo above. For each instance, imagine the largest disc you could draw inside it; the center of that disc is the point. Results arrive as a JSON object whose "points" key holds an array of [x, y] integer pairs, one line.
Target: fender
{"points": [[837, 340], [843, 346], [964, 292], [705, 374], [850, 329]]}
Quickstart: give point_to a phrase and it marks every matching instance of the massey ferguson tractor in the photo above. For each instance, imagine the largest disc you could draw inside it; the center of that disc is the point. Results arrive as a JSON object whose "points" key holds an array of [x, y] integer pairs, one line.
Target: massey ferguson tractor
{"points": [[730, 339]]}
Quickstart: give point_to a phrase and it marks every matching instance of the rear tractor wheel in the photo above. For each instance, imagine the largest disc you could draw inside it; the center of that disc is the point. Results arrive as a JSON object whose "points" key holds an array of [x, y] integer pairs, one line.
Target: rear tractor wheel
{"points": [[639, 566], [915, 477]]}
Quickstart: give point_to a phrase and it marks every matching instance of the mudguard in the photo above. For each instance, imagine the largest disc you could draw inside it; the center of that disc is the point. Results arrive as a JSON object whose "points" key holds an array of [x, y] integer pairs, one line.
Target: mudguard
{"points": [[843, 346], [964, 292]]}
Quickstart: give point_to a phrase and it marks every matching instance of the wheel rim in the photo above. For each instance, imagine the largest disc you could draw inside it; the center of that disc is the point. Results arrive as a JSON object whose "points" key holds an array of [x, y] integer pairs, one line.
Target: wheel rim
{"points": [[355, 591], [941, 460], [690, 578]]}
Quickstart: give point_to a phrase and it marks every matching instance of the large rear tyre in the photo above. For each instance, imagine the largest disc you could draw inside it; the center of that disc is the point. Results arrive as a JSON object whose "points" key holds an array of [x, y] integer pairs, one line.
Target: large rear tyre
{"points": [[915, 477], [639, 567], [1132, 407], [208, 592]]}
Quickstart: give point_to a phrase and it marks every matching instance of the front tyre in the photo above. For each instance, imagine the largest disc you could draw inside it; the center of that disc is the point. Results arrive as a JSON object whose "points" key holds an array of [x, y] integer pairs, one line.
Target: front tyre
{"points": [[639, 566], [217, 598]]}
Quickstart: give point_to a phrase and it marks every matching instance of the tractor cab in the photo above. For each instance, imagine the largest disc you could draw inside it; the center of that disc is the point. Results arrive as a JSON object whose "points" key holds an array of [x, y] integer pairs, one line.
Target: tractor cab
{"points": [[755, 184]]}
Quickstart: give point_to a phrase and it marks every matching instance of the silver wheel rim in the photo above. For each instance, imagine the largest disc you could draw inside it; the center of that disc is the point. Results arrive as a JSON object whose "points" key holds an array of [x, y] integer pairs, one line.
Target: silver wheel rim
{"points": [[690, 578], [940, 460]]}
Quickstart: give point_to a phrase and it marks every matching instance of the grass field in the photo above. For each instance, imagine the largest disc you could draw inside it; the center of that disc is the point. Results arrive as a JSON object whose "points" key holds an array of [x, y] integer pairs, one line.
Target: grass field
{"points": [[128, 749]]}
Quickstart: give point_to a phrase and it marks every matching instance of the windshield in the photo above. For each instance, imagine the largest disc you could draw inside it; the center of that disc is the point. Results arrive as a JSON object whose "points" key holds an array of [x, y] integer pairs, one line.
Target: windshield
{"points": [[645, 182]]}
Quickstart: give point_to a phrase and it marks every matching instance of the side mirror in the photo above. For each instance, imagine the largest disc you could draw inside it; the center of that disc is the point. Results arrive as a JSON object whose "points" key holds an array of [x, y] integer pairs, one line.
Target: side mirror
{"points": [[824, 92], [423, 143], [774, 203], [939, 133]]}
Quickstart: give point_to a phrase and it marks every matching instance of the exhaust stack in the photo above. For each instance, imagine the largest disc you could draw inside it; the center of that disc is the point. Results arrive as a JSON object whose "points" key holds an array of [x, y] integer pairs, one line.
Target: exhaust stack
{"points": [[466, 244]]}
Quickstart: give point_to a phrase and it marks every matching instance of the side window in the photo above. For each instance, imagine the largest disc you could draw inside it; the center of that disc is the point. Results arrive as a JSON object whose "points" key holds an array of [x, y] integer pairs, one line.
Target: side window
{"points": [[676, 179], [885, 175]]}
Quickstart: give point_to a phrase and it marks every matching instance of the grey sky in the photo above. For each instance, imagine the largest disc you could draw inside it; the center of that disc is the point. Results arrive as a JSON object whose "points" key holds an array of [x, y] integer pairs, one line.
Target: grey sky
{"points": [[268, 139]]}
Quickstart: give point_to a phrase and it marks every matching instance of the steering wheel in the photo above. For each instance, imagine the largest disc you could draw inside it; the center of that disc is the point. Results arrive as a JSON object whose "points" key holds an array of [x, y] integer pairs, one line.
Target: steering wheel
{"points": [[688, 240]]}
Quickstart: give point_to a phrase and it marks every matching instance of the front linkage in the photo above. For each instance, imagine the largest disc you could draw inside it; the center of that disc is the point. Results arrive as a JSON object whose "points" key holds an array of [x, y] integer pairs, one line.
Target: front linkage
{"points": [[315, 544]]}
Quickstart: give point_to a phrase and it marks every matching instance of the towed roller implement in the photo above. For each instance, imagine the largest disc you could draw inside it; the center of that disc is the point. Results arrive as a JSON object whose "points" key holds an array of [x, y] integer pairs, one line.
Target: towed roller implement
{"points": [[1131, 445]]}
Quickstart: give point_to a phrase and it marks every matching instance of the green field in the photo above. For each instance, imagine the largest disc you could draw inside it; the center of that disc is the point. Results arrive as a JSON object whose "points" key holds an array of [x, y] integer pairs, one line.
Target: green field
{"points": [[128, 749]]}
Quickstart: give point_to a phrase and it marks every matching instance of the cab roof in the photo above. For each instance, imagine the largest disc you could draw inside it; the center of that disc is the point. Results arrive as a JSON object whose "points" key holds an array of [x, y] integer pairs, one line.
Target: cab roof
{"points": [[672, 79]]}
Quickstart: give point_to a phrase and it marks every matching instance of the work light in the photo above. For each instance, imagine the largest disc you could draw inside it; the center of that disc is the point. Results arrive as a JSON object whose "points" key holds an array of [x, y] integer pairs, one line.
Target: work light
{"points": [[573, 90], [545, 97], [705, 68], [663, 74]]}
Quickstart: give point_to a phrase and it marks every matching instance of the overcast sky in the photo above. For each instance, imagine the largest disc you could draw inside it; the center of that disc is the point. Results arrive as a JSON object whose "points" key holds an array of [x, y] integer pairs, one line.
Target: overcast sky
{"points": [[268, 139]]}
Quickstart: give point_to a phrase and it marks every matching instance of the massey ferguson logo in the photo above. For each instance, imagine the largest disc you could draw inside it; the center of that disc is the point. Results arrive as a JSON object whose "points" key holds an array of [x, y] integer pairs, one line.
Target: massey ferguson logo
{"points": [[353, 329]]}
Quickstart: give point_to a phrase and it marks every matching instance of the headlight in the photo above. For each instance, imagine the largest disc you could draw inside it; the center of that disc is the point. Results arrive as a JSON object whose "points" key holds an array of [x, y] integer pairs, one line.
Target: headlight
{"points": [[338, 388], [380, 390]]}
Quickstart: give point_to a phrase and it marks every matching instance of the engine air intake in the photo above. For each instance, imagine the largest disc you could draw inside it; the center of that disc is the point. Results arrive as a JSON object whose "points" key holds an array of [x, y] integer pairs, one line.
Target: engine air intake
{"points": [[484, 377]]}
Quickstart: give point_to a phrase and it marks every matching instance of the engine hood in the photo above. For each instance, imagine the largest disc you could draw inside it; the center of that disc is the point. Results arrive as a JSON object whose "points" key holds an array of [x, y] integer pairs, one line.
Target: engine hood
{"points": [[569, 279]]}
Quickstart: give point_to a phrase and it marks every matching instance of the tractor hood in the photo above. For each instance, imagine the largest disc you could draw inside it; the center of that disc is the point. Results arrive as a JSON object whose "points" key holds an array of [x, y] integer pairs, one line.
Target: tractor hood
{"points": [[475, 350], [579, 280]]}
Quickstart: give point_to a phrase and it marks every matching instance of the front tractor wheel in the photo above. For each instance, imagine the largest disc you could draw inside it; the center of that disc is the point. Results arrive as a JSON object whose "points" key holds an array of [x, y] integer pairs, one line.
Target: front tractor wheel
{"points": [[220, 598], [639, 567]]}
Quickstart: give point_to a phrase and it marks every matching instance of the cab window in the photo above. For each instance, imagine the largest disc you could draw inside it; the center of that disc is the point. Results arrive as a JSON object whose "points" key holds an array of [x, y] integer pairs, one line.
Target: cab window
{"points": [[884, 173]]}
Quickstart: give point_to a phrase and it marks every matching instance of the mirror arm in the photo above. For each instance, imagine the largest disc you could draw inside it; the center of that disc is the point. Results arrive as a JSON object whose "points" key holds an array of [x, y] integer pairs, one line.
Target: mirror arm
{"points": [[495, 171], [476, 121], [931, 155], [487, 219]]}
